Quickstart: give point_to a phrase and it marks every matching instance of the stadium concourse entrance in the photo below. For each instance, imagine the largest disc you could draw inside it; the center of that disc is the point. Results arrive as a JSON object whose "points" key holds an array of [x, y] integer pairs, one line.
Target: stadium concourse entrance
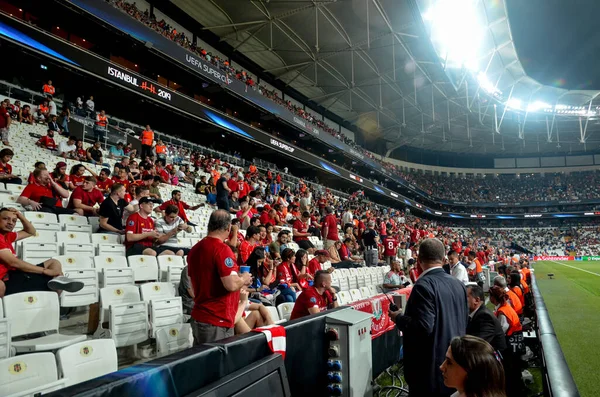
{"points": [[243, 360]]}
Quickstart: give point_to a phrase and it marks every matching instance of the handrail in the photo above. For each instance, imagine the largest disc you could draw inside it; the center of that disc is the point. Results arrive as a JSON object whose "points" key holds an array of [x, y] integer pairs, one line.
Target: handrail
{"points": [[558, 380]]}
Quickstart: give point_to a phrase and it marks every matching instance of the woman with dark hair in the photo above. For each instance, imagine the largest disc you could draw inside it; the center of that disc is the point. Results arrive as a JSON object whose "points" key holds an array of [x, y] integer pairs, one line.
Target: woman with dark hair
{"points": [[76, 175], [514, 282], [473, 368], [511, 325], [302, 266], [59, 175], [287, 275]]}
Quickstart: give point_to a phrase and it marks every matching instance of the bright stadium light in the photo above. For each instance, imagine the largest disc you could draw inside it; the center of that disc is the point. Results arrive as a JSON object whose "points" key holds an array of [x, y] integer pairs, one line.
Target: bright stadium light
{"points": [[487, 85], [456, 32], [514, 103], [538, 105]]}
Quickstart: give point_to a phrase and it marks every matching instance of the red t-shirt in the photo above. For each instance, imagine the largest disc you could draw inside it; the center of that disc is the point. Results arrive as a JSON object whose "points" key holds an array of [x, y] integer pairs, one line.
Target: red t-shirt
{"points": [[264, 218], [180, 205], [243, 188], [5, 169], [302, 228], [124, 182], [284, 273], [457, 246], [87, 198], [77, 180], [233, 185], [105, 184], [164, 175], [47, 142], [208, 261], [314, 266], [245, 249], [331, 222], [35, 192], [6, 241], [136, 224], [309, 298], [390, 244], [4, 116], [481, 256]]}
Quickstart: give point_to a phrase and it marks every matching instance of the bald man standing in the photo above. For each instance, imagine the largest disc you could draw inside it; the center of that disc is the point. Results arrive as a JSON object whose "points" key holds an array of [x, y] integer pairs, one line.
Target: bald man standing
{"points": [[436, 311]]}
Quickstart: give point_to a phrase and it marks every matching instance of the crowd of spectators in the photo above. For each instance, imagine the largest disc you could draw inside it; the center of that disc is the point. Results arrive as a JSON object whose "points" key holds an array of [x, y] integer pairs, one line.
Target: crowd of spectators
{"points": [[504, 189]]}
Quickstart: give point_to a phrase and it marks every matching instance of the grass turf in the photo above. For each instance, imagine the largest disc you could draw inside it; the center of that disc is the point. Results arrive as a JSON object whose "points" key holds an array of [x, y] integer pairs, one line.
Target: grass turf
{"points": [[573, 301]]}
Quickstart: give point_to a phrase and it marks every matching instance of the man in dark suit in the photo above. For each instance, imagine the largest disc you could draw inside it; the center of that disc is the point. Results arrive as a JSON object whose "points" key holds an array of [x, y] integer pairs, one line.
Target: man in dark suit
{"points": [[436, 312], [482, 322]]}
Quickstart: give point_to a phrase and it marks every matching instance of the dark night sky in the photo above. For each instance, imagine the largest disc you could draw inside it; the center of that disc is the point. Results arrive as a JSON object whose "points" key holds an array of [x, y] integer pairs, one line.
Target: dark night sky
{"points": [[558, 41]]}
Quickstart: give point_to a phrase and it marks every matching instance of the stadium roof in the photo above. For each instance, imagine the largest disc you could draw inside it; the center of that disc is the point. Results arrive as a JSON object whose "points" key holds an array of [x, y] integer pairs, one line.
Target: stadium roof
{"points": [[387, 66]]}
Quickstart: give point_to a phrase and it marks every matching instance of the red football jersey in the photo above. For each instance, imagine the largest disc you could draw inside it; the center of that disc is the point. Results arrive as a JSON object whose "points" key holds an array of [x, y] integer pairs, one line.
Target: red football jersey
{"points": [[390, 245]]}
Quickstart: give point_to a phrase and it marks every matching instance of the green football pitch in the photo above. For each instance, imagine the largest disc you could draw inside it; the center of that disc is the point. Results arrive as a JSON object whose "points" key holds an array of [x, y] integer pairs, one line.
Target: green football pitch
{"points": [[572, 297]]}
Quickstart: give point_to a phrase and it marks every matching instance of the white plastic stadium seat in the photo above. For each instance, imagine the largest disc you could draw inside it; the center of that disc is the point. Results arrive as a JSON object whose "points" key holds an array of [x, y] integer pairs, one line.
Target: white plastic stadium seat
{"points": [[72, 220], [113, 270], [166, 310], [87, 229], [174, 338], [145, 267], [167, 262], [355, 295], [87, 360], [105, 238], [365, 292], [29, 375], [35, 253], [75, 243], [274, 314], [373, 290], [127, 315], [79, 268], [111, 249], [33, 312], [4, 337], [285, 310], [344, 297], [42, 217]]}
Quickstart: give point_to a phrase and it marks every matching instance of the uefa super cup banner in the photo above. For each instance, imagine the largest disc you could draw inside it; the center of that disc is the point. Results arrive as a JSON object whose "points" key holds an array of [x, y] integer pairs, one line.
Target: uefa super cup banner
{"points": [[554, 258]]}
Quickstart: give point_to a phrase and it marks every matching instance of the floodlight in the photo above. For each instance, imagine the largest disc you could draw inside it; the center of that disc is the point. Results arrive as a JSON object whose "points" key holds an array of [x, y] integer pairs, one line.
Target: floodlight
{"points": [[514, 103], [538, 105], [456, 32]]}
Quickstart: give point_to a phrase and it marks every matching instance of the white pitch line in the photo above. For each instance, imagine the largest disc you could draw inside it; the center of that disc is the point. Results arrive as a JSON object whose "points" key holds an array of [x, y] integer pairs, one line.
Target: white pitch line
{"points": [[576, 268]]}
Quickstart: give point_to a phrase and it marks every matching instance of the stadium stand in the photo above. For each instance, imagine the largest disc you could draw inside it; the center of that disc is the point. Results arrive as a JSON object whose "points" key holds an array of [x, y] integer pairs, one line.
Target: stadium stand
{"points": [[139, 297]]}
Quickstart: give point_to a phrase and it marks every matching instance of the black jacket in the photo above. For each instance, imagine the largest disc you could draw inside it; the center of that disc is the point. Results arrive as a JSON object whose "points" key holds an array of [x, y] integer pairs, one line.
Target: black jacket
{"points": [[486, 326], [436, 312]]}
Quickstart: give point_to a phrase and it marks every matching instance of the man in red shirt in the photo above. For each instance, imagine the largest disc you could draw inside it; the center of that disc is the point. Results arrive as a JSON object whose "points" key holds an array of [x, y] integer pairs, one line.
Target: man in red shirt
{"points": [[104, 183], [44, 194], [160, 171], [47, 141], [248, 244], [329, 229], [17, 275], [243, 187], [216, 282], [390, 247], [139, 230], [320, 297], [301, 234], [85, 197], [181, 206], [457, 246], [316, 263]]}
